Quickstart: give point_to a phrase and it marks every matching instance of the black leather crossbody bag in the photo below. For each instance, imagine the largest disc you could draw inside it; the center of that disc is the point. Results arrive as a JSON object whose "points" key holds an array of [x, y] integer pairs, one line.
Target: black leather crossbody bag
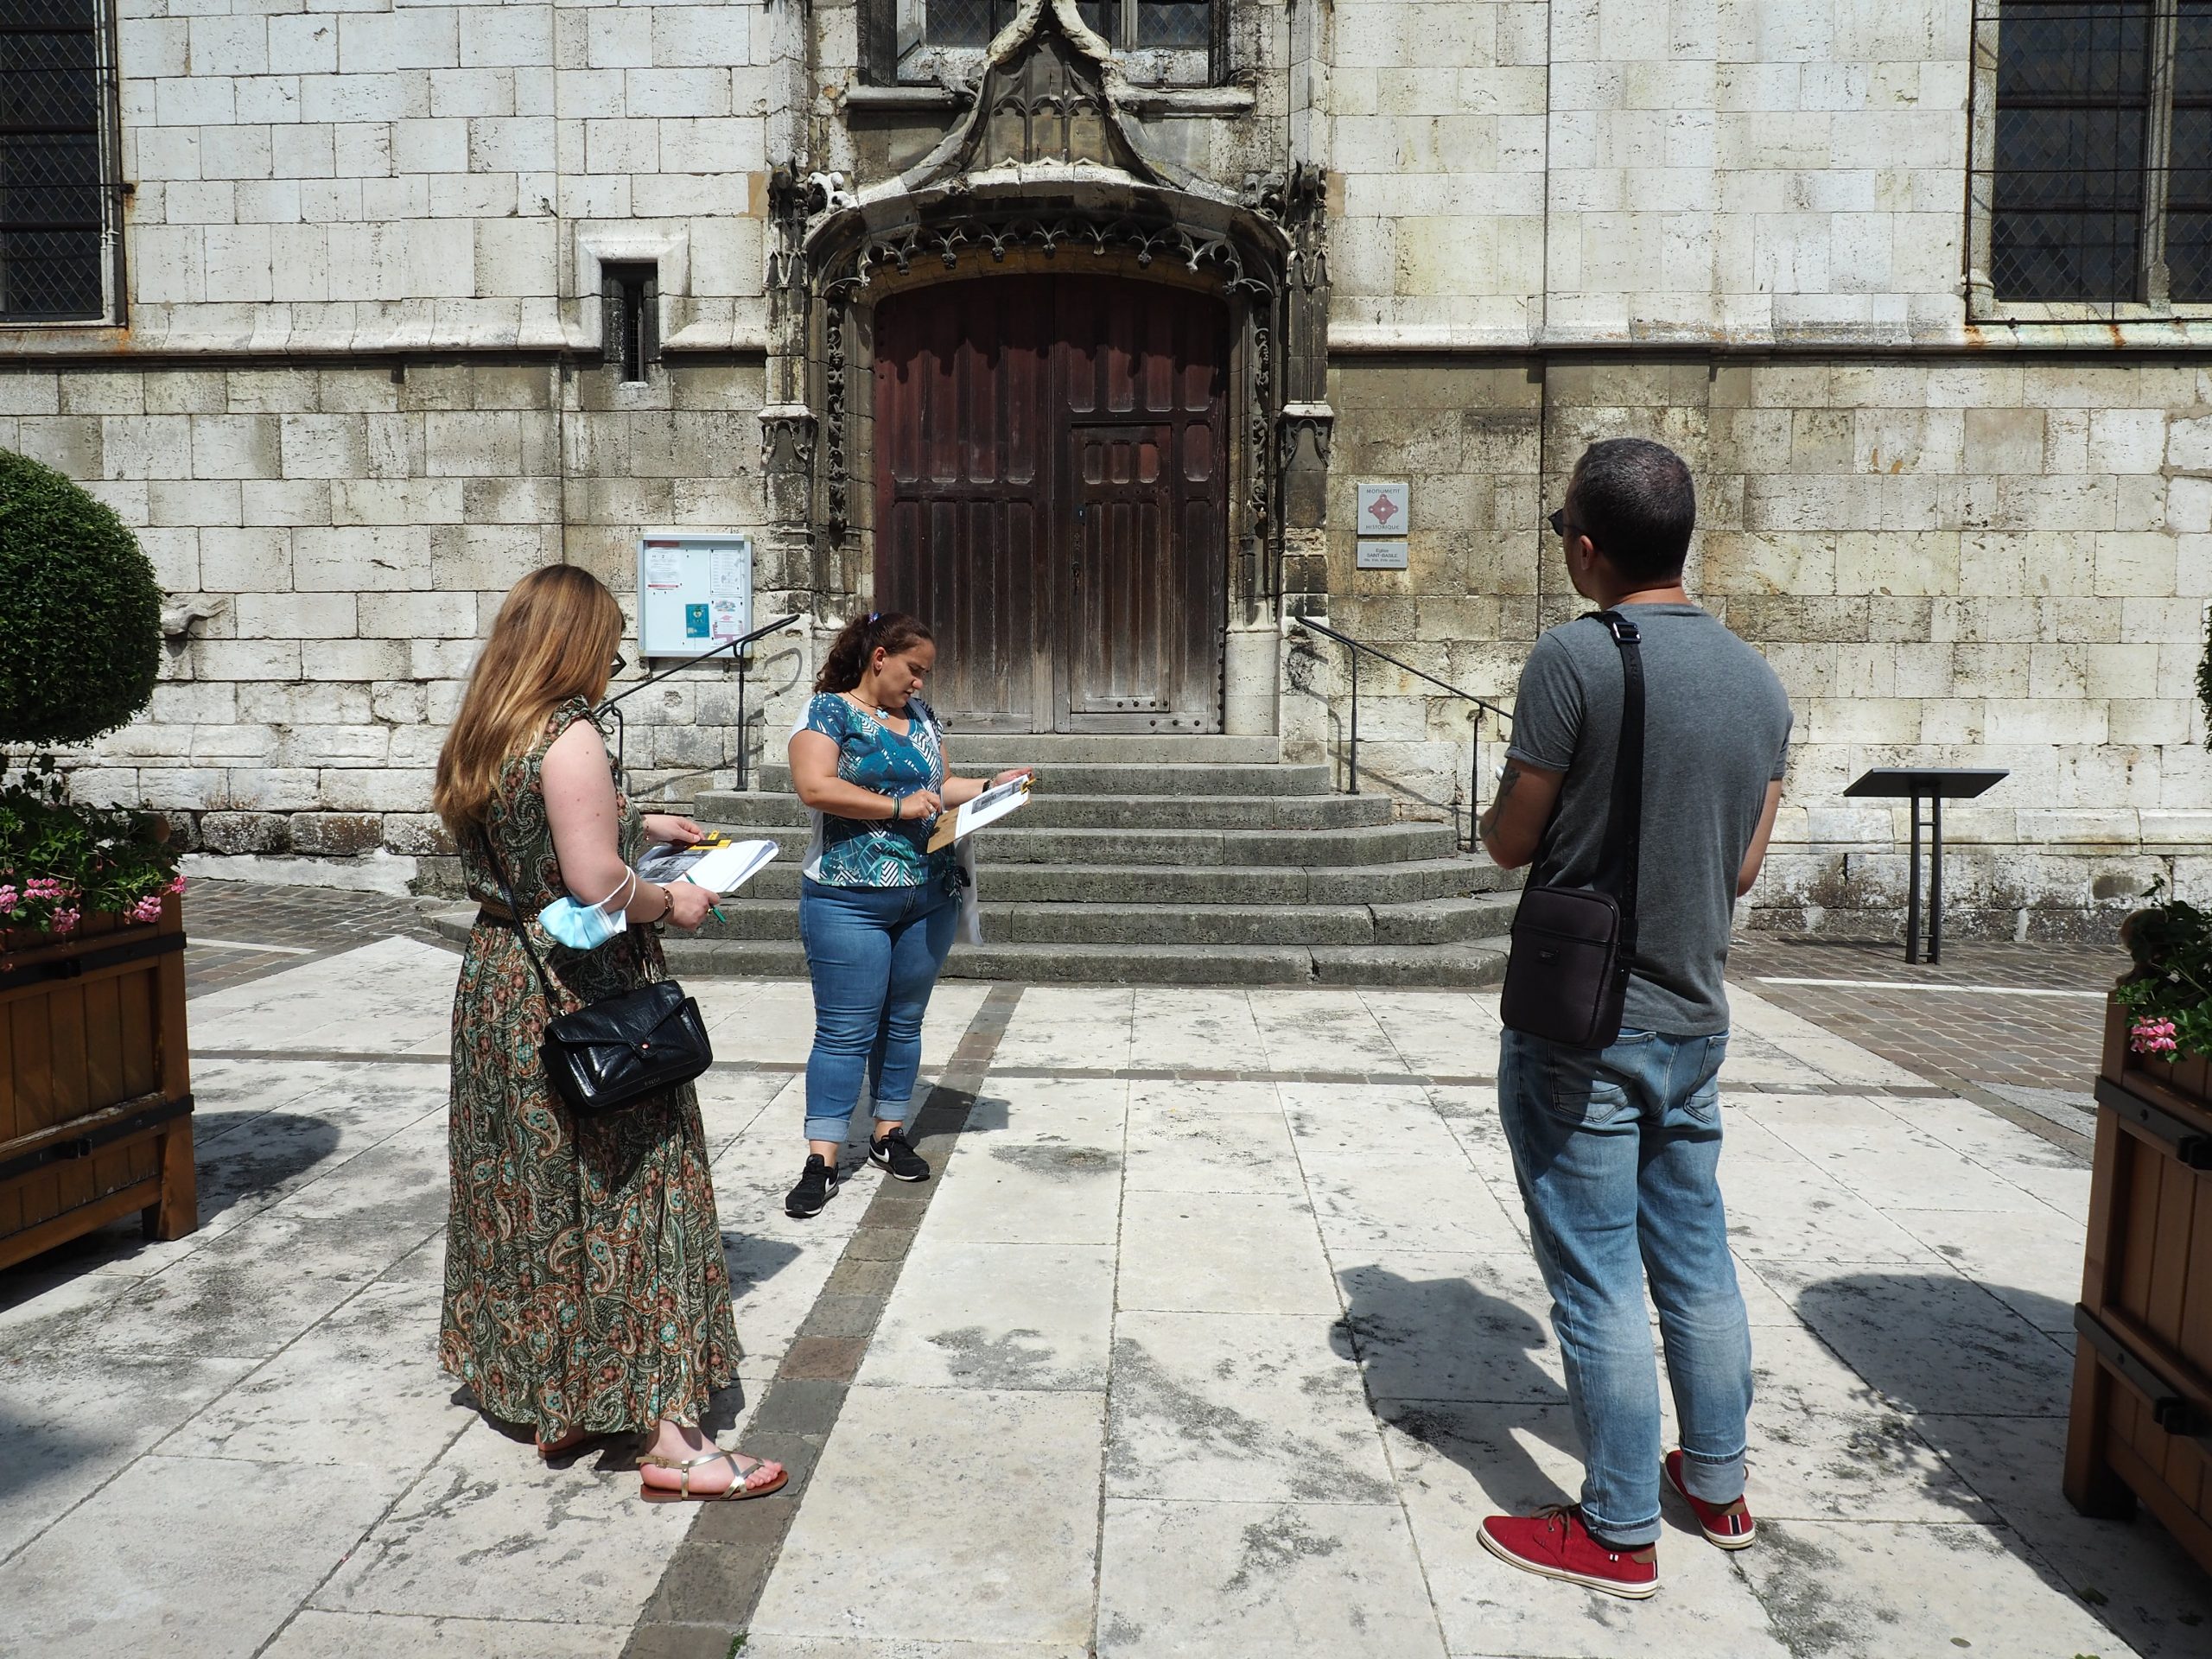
{"points": [[1567, 974], [621, 1050]]}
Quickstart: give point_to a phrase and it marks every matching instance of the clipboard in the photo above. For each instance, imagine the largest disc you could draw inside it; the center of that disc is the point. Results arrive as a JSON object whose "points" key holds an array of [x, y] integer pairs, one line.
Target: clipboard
{"points": [[988, 807]]}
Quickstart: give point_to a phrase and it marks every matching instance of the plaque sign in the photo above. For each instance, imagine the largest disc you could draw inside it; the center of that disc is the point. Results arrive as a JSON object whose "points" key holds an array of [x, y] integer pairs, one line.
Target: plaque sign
{"points": [[1386, 554], [1385, 509]]}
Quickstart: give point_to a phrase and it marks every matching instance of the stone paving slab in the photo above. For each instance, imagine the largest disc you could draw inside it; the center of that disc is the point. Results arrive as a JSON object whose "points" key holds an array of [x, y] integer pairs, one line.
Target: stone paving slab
{"points": [[1330, 1359], [1217, 1333]]}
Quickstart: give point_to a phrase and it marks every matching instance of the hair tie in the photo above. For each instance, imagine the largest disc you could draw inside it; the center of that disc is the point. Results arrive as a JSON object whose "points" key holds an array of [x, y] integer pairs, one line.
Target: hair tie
{"points": [[875, 616]]}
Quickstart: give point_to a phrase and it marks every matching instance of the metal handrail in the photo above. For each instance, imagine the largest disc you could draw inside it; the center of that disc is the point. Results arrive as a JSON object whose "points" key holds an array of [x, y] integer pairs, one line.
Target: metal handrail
{"points": [[736, 647], [1483, 706]]}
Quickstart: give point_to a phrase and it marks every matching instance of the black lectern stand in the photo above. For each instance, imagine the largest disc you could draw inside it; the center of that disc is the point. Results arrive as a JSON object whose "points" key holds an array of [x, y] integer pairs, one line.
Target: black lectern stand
{"points": [[1934, 785]]}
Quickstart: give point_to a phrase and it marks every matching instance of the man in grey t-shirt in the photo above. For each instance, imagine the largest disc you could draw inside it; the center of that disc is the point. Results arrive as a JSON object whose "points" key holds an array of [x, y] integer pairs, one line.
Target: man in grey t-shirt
{"points": [[1617, 1149]]}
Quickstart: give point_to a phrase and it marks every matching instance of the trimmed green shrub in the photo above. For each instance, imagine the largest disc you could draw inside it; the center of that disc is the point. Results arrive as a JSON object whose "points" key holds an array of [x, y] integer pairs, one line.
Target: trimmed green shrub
{"points": [[81, 612]]}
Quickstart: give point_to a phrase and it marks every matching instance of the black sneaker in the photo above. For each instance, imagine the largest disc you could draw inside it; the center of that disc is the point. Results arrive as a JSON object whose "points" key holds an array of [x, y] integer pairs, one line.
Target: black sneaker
{"points": [[817, 1185], [894, 1155]]}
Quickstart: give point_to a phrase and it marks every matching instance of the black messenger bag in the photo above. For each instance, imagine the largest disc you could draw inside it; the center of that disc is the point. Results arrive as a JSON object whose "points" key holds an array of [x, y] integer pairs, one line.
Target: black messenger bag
{"points": [[1567, 974], [622, 1050]]}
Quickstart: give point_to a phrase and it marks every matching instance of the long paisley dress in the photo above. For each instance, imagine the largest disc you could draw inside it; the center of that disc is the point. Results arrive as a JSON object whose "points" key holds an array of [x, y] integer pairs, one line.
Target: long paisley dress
{"points": [[585, 1283]]}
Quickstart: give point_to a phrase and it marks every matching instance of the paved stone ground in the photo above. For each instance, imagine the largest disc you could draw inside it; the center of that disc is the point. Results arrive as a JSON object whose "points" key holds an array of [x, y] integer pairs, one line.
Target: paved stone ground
{"points": [[1217, 1334], [240, 931], [2016, 1028]]}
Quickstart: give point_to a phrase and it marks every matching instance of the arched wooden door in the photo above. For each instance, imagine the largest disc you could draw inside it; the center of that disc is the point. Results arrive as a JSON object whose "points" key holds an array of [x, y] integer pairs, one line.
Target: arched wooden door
{"points": [[1052, 497]]}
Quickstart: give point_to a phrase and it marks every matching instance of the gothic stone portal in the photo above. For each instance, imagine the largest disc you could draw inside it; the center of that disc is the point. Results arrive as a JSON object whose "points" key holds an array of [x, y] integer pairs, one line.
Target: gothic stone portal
{"points": [[1052, 497]]}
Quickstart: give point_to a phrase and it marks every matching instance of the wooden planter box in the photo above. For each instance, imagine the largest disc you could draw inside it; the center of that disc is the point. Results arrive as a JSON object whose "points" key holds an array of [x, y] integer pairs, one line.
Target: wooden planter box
{"points": [[2141, 1427], [95, 1084]]}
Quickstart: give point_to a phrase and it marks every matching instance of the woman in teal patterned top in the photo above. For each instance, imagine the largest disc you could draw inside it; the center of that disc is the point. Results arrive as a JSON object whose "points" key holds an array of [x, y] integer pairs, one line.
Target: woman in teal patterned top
{"points": [[876, 907]]}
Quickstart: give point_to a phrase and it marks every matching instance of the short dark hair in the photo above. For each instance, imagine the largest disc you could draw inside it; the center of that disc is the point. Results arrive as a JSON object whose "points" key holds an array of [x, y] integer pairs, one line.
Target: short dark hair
{"points": [[1633, 498]]}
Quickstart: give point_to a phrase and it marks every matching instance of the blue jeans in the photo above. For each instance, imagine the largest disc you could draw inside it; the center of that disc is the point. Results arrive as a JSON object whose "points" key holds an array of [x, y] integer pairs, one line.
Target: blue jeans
{"points": [[1617, 1152], [874, 953]]}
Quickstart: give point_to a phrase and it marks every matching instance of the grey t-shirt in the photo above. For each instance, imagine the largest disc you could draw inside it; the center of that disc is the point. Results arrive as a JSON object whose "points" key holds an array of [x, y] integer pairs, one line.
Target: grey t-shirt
{"points": [[1716, 732]]}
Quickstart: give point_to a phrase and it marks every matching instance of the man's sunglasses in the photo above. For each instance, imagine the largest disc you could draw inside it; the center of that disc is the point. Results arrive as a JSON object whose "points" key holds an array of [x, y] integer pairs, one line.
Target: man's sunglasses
{"points": [[1561, 522]]}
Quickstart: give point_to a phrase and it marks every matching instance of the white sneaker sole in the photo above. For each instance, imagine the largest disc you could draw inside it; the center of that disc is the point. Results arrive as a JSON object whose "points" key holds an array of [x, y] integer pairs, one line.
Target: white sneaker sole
{"points": [[1718, 1539], [1608, 1586]]}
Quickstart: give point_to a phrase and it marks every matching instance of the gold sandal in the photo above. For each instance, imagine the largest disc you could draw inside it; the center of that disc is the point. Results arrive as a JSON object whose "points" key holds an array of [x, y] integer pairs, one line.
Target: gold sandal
{"points": [[736, 1492]]}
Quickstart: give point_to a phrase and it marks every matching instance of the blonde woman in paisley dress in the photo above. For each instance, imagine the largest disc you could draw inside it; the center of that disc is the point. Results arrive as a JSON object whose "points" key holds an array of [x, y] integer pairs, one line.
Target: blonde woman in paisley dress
{"points": [[876, 907], [586, 1291]]}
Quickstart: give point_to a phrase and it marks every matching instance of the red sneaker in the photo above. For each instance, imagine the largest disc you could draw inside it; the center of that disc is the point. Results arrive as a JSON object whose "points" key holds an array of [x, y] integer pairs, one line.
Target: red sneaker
{"points": [[1728, 1525], [1554, 1543]]}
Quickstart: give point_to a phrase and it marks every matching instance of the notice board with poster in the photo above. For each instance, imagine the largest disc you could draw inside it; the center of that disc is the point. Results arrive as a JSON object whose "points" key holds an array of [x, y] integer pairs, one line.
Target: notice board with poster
{"points": [[694, 591]]}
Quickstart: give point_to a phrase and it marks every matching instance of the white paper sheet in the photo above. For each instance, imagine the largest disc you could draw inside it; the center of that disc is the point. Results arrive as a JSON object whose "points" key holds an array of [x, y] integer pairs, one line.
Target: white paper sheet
{"points": [[988, 807], [718, 867]]}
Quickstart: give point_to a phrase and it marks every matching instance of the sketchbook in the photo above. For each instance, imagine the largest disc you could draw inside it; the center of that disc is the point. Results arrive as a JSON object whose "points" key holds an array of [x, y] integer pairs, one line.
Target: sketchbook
{"points": [[717, 863], [988, 807]]}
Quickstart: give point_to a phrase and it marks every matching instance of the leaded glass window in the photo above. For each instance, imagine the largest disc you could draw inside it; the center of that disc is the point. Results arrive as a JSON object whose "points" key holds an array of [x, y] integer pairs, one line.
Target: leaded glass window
{"points": [[2188, 173], [53, 199], [2073, 90], [1158, 39], [2102, 179]]}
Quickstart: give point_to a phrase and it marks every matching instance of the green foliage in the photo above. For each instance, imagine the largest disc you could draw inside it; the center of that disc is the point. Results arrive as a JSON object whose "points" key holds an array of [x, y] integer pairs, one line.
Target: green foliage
{"points": [[59, 863], [2172, 943], [80, 622], [2204, 679]]}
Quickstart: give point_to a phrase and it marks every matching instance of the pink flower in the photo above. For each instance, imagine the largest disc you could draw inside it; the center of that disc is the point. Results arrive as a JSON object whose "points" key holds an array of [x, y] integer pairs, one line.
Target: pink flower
{"points": [[45, 887], [65, 921], [2152, 1037], [6, 899], [148, 909], [177, 885]]}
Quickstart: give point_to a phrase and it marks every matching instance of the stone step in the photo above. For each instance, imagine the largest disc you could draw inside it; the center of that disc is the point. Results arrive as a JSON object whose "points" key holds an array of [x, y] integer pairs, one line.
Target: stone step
{"points": [[1462, 963], [1468, 964], [1403, 882], [1049, 809], [1166, 778], [973, 751], [1365, 844], [1435, 921]]}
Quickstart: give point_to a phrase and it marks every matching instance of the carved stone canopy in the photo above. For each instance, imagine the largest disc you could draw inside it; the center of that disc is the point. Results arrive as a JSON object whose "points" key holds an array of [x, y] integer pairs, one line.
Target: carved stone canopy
{"points": [[1050, 97], [1044, 99]]}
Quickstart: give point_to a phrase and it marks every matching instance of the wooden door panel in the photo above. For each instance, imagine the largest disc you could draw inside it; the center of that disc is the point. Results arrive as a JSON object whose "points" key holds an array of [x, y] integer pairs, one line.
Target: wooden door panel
{"points": [[1073, 571], [958, 383], [1143, 375]]}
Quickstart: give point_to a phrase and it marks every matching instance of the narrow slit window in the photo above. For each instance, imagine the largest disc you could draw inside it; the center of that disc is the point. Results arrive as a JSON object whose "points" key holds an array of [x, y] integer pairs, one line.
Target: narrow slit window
{"points": [[632, 304]]}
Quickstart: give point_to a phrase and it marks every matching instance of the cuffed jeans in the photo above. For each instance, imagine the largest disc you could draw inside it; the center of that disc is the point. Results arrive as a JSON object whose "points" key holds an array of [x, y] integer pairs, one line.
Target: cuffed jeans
{"points": [[874, 954], [1617, 1152]]}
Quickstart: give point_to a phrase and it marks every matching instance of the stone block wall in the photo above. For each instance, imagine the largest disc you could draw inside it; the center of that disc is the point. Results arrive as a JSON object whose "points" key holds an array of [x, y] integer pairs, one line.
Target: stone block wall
{"points": [[347, 534], [349, 175], [1517, 174], [1948, 560]]}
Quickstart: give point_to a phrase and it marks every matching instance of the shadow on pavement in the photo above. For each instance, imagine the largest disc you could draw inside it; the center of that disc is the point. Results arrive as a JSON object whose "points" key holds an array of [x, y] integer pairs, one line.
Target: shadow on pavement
{"points": [[275, 1146], [1453, 1366], [1983, 1382]]}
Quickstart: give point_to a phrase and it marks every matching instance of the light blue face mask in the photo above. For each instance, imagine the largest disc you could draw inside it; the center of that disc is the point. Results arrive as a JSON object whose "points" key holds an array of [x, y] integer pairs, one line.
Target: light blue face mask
{"points": [[586, 927]]}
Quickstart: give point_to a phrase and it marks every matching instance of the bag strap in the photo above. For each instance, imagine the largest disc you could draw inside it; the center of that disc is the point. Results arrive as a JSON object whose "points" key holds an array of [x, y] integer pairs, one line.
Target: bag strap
{"points": [[1622, 855], [521, 924]]}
